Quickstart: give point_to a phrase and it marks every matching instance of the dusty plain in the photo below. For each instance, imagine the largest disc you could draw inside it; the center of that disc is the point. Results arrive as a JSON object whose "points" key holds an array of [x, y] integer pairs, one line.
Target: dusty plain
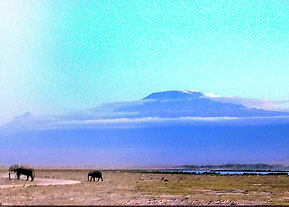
{"points": [[130, 187]]}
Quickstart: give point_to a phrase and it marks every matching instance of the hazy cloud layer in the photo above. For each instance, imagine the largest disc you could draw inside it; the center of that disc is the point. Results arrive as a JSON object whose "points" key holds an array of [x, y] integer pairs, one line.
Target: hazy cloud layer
{"points": [[157, 121]]}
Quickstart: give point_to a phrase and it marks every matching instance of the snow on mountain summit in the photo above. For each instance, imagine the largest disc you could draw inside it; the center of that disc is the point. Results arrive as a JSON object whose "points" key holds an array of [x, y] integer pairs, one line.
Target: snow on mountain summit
{"points": [[175, 95]]}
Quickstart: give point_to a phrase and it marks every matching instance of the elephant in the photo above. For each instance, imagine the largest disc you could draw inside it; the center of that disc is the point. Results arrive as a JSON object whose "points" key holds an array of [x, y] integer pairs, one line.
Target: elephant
{"points": [[22, 170], [93, 175]]}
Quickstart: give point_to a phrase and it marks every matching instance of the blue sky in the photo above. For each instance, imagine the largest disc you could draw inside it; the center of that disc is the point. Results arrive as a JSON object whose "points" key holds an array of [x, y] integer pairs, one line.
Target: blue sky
{"points": [[62, 55]]}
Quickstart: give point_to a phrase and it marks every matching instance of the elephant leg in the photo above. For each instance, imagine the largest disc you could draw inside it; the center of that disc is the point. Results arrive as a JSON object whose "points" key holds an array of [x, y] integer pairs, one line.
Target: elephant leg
{"points": [[90, 179], [27, 177], [93, 178], [18, 175], [101, 180]]}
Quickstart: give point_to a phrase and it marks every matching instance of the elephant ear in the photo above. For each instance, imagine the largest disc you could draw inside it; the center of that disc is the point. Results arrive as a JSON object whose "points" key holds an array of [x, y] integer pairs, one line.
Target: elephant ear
{"points": [[14, 167], [28, 167]]}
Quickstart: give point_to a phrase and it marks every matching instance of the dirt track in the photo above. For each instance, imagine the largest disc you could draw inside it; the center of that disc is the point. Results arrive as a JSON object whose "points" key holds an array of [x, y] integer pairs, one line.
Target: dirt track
{"points": [[38, 181]]}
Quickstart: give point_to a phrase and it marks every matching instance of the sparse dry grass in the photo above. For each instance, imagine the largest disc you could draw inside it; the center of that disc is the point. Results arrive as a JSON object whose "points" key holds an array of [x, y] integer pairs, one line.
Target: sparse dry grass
{"points": [[122, 188], [258, 188]]}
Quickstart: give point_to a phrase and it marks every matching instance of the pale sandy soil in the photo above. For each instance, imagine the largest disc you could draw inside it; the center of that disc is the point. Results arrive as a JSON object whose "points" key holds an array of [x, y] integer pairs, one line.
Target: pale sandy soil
{"points": [[70, 187], [6, 183]]}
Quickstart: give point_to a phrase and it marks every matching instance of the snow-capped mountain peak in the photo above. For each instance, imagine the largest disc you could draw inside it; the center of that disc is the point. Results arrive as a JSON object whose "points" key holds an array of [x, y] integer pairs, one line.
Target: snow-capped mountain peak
{"points": [[175, 95]]}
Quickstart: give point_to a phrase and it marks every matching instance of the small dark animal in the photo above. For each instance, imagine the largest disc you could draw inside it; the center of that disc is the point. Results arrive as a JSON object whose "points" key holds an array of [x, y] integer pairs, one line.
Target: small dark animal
{"points": [[93, 175], [22, 170]]}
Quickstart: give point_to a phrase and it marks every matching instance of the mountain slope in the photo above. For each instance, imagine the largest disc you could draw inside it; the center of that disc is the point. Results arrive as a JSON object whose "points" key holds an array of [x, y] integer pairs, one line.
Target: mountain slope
{"points": [[192, 104]]}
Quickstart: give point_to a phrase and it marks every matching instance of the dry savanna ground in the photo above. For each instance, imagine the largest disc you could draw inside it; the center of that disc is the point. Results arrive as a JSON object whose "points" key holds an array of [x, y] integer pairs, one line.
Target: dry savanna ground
{"points": [[135, 188]]}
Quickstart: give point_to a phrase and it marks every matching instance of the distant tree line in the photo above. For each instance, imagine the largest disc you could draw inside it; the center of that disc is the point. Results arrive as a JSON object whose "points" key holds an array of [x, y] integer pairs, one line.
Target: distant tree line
{"points": [[247, 167]]}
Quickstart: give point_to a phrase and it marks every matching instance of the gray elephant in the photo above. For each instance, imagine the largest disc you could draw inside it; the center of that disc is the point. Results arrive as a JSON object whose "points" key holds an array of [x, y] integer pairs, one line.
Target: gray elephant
{"points": [[93, 175], [22, 170]]}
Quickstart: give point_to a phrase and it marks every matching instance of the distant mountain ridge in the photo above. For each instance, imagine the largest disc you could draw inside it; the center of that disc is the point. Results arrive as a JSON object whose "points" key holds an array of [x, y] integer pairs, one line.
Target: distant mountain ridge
{"points": [[160, 105], [171, 127]]}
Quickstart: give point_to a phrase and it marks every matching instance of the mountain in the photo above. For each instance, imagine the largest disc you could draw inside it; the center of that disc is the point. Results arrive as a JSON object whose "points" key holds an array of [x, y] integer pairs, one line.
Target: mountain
{"points": [[192, 104], [171, 127], [161, 106]]}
